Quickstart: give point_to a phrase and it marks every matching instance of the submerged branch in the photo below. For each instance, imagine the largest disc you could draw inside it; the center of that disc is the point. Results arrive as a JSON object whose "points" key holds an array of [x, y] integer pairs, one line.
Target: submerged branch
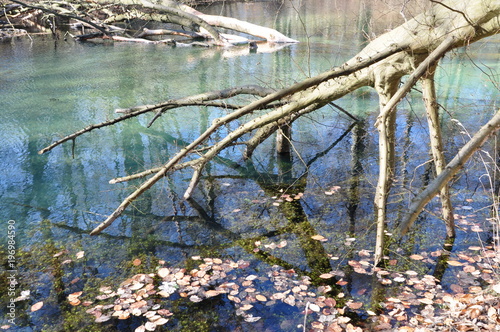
{"points": [[249, 126], [202, 99]]}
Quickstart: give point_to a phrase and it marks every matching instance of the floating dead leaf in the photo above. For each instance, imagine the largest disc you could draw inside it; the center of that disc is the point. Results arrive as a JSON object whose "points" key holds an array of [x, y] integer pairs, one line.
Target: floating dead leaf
{"points": [[318, 237], [475, 289], [74, 281], [161, 321], [60, 253], [163, 272], [474, 313], [260, 297], [73, 298], [466, 258], [138, 304], [282, 244], [476, 229], [37, 306], [469, 268], [341, 282], [165, 312], [75, 302], [212, 293], [105, 289], [150, 326], [318, 325], [136, 262], [314, 307], [355, 305], [195, 298], [456, 288], [251, 319], [354, 263], [141, 328], [137, 286], [411, 273], [80, 254], [251, 277], [496, 288], [417, 257], [393, 299], [326, 276], [102, 319], [426, 301], [246, 307], [455, 263]]}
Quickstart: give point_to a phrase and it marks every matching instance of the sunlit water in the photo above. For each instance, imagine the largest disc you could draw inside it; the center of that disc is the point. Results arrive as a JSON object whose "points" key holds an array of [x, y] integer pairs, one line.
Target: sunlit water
{"points": [[50, 89]]}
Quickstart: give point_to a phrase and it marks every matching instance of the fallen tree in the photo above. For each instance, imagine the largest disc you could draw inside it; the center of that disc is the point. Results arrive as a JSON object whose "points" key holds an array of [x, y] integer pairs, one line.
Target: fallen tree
{"points": [[99, 19], [414, 49]]}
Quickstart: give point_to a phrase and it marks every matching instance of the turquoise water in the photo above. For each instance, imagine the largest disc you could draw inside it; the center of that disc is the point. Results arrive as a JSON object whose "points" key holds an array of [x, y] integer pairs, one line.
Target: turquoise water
{"points": [[49, 89]]}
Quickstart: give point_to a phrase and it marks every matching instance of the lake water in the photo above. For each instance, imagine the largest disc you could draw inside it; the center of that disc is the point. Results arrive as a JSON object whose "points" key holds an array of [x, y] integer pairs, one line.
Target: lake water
{"points": [[49, 89]]}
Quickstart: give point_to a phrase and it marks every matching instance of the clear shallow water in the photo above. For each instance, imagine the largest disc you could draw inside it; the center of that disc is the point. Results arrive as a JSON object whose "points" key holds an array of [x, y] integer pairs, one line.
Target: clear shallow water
{"points": [[48, 90]]}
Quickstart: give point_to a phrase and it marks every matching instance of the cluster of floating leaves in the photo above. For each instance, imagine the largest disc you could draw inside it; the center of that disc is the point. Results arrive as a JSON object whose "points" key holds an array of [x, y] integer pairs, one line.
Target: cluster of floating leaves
{"points": [[141, 295], [420, 304], [472, 303]]}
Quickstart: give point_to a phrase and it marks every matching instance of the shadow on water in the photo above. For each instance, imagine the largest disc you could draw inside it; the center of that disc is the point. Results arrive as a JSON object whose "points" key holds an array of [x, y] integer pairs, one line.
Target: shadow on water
{"points": [[299, 220]]}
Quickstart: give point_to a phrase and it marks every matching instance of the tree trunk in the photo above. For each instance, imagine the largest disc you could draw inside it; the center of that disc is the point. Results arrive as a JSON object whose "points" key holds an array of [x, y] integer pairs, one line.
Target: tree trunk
{"points": [[436, 142], [450, 170]]}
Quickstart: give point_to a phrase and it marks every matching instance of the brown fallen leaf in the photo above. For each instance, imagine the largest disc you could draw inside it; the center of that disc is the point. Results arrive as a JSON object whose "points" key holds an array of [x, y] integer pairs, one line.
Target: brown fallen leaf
{"points": [[37, 306], [426, 301], [319, 238], [355, 305], [260, 297], [246, 307], [136, 262], [455, 263], [163, 272]]}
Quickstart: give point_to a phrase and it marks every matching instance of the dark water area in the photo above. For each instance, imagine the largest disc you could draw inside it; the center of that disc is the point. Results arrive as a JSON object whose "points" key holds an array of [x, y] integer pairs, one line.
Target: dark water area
{"points": [[258, 217]]}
